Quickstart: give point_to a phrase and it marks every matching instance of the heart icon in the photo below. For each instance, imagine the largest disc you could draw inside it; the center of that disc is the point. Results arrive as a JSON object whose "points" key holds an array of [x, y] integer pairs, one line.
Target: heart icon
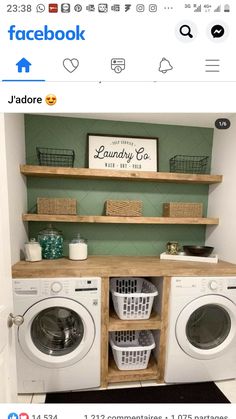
{"points": [[70, 64]]}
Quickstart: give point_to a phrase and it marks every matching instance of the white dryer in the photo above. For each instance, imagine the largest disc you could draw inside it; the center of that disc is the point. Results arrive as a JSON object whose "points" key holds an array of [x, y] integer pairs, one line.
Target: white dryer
{"points": [[58, 341], [201, 341]]}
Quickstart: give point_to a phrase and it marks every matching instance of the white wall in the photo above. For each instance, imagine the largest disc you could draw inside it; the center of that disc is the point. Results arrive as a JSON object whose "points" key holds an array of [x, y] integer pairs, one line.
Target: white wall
{"points": [[222, 198], [17, 192], [7, 342]]}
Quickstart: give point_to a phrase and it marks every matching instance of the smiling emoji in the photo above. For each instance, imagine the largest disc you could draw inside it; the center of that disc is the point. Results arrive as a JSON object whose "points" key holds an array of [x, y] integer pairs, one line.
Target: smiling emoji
{"points": [[51, 99]]}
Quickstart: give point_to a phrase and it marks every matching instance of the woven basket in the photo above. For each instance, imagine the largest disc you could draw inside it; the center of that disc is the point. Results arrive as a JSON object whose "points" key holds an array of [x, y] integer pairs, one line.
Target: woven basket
{"points": [[56, 206], [123, 208], [182, 209]]}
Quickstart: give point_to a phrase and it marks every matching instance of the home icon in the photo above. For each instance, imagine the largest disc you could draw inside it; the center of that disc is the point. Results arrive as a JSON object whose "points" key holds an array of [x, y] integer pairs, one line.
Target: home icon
{"points": [[23, 64]]}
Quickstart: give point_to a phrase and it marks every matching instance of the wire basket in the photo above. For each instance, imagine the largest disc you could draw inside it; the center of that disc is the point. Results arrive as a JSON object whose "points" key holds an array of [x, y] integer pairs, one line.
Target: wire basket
{"points": [[188, 164], [55, 157], [132, 297], [132, 348]]}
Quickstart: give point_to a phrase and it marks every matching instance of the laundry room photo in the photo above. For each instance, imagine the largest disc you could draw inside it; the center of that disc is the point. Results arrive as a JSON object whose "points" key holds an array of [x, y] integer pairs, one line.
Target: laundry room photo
{"points": [[117, 259]]}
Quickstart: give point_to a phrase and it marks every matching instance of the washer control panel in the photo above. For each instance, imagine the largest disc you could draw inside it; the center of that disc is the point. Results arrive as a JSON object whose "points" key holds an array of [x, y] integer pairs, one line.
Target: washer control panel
{"points": [[48, 287], [203, 285], [54, 287], [212, 284]]}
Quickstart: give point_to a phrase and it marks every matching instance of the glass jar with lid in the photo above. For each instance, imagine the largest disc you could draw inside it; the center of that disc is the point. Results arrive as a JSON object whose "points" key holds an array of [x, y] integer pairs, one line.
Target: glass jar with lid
{"points": [[33, 251], [51, 241], [78, 248]]}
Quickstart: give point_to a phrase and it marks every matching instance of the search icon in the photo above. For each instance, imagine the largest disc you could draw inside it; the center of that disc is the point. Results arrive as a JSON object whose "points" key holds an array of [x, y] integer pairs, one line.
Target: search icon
{"points": [[185, 30]]}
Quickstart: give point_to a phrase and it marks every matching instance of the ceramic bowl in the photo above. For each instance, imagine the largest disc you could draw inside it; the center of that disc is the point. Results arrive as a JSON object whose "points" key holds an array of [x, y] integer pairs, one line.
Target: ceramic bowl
{"points": [[198, 250]]}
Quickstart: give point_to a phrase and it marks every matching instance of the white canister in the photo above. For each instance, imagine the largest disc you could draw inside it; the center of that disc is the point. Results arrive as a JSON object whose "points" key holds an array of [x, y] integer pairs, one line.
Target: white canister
{"points": [[78, 249], [33, 251]]}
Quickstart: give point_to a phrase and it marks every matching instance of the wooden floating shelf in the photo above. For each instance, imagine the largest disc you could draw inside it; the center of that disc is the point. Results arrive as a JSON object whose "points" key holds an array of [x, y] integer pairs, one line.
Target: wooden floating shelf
{"points": [[104, 219], [116, 376], [116, 324], [80, 173]]}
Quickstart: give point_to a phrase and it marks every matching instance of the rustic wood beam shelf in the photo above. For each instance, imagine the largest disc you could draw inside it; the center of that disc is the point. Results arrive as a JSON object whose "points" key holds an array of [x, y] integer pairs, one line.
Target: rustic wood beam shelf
{"points": [[116, 324], [104, 219], [80, 173]]}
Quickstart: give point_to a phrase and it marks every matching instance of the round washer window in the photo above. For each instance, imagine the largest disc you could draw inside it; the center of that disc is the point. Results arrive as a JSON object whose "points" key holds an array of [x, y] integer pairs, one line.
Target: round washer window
{"points": [[57, 331], [208, 326]]}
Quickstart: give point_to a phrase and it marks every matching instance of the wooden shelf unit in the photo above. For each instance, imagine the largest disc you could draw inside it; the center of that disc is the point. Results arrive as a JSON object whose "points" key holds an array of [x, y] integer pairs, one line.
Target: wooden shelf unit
{"points": [[156, 322], [105, 219], [114, 266], [85, 173]]}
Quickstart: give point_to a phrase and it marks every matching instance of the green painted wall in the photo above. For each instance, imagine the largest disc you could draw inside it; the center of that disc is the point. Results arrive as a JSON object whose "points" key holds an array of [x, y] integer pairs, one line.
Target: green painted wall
{"points": [[62, 132]]}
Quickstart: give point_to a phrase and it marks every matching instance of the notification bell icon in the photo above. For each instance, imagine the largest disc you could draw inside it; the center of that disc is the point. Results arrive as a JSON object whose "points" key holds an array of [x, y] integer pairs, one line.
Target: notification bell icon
{"points": [[165, 65]]}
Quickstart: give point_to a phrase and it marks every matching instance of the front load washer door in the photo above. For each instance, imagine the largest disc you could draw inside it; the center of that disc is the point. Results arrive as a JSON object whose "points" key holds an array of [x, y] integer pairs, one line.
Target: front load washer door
{"points": [[57, 332], [206, 327]]}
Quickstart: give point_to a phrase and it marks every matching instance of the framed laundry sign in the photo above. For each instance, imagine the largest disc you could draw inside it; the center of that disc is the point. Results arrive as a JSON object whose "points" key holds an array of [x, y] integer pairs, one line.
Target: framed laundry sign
{"points": [[123, 152]]}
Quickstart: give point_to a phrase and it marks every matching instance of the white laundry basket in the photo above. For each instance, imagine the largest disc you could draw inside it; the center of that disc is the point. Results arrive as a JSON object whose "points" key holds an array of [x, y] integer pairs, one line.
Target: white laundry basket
{"points": [[132, 348], [132, 297]]}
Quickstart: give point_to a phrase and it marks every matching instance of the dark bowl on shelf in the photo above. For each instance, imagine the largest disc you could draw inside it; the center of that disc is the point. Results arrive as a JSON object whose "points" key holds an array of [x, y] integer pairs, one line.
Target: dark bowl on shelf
{"points": [[198, 250]]}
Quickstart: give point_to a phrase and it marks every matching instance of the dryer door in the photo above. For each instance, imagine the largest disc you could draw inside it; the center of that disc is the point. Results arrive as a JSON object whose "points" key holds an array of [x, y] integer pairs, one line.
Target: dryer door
{"points": [[56, 332], [206, 327]]}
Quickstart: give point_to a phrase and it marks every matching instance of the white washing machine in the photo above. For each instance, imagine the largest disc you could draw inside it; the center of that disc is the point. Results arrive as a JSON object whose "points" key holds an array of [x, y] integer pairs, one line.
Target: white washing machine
{"points": [[58, 341], [201, 340]]}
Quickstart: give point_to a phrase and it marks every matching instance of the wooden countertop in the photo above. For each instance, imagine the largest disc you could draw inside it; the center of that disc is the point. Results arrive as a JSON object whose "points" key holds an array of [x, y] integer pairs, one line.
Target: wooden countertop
{"points": [[106, 266]]}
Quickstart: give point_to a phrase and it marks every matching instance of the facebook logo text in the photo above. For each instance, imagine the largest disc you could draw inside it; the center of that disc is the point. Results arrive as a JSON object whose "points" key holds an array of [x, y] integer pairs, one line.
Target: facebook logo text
{"points": [[46, 34]]}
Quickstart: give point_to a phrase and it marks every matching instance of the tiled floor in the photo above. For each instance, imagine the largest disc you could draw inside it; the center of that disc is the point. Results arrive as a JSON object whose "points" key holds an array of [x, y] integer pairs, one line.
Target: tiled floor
{"points": [[227, 387], [31, 398]]}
